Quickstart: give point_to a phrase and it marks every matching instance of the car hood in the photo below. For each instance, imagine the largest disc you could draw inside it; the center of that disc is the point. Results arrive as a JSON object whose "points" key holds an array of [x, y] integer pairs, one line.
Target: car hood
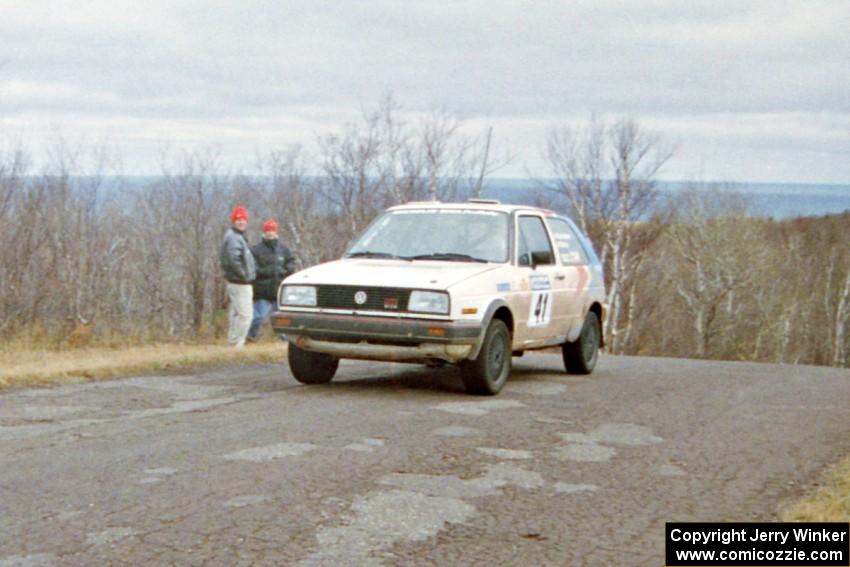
{"points": [[422, 274]]}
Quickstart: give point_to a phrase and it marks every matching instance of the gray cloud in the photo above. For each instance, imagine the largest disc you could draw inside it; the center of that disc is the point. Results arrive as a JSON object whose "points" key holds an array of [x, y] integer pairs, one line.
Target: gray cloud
{"points": [[218, 67]]}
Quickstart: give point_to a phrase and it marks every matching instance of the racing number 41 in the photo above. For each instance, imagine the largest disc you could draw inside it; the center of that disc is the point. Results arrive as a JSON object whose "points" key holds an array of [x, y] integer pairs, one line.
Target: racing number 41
{"points": [[541, 309]]}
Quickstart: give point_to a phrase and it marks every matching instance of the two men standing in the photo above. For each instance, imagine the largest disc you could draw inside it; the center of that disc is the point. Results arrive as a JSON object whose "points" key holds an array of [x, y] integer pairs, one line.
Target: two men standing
{"points": [[253, 276]]}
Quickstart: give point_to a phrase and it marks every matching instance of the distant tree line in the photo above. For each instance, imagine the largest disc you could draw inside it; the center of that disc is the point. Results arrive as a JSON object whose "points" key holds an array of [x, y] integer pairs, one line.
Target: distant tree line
{"points": [[696, 276], [84, 260]]}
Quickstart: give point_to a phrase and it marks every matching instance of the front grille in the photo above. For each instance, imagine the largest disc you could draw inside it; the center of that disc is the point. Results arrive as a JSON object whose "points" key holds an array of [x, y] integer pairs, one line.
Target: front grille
{"points": [[377, 298]]}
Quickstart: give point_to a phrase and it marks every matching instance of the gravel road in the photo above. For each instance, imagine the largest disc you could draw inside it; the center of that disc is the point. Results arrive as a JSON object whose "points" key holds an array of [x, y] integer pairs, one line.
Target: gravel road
{"points": [[395, 465]]}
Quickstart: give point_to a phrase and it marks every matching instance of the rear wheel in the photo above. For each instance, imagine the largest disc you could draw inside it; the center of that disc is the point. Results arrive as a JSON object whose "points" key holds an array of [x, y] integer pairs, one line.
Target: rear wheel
{"points": [[580, 356], [487, 374], [311, 367]]}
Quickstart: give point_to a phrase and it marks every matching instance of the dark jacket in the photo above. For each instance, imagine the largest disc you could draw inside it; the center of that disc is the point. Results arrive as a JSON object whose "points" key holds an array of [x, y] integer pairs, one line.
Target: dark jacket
{"points": [[237, 261], [274, 262]]}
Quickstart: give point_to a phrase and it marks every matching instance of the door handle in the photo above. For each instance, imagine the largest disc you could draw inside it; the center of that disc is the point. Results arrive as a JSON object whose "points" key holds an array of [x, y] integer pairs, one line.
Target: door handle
{"points": [[560, 277]]}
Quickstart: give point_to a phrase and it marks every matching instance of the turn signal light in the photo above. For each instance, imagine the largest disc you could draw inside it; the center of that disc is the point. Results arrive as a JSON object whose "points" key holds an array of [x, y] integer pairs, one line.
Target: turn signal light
{"points": [[436, 332], [469, 310]]}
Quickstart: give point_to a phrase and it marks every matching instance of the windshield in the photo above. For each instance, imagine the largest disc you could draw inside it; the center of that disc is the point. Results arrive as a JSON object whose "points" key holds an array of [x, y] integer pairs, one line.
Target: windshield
{"points": [[462, 235]]}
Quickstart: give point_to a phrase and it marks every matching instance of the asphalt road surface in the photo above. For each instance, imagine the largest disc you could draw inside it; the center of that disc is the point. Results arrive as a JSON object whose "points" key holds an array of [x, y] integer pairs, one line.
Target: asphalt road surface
{"points": [[395, 465]]}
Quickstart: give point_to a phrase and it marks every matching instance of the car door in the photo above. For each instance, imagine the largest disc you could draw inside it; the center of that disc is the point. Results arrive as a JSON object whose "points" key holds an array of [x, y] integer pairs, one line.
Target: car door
{"points": [[573, 271], [542, 317]]}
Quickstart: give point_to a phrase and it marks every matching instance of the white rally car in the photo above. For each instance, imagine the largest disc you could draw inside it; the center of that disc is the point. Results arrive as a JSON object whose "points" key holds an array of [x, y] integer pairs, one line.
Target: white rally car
{"points": [[464, 283]]}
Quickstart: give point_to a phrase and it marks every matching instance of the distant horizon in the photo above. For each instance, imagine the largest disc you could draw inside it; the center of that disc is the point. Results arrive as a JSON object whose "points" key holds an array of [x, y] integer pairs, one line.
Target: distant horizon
{"points": [[773, 200], [496, 179]]}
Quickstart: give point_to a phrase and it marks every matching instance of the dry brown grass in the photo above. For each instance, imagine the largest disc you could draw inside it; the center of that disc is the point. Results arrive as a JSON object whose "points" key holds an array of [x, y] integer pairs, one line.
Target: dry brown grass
{"points": [[29, 367], [829, 503]]}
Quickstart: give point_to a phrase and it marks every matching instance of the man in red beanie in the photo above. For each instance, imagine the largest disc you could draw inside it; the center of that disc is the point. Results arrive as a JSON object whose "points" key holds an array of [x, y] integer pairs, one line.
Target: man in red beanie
{"points": [[274, 263], [237, 263]]}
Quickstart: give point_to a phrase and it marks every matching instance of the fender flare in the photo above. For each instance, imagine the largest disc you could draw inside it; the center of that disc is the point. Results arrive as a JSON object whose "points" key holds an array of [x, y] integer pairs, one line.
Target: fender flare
{"points": [[485, 324], [575, 331]]}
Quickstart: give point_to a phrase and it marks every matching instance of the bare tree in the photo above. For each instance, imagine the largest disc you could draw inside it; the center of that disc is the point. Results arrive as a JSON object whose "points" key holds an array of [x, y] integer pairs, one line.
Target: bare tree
{"points": [[484, 161], [842, 319], [444, 150], [358, 175], [292, 197], [607, 177], [719, 255]]}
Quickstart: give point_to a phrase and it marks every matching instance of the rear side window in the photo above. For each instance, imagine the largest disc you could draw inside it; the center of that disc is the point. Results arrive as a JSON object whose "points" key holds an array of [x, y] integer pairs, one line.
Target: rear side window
{"points": [[534, 240], [569, 247]]}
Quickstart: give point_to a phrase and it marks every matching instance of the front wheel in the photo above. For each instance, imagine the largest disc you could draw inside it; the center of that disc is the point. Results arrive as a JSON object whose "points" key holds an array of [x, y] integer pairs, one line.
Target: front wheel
{"points": [[580, 356], [487, 374], [311, 367]]}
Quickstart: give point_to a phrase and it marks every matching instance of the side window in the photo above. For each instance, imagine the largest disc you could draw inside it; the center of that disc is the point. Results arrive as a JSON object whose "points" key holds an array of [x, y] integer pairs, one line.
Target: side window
{"points": [[534, 242], [569, 247]]}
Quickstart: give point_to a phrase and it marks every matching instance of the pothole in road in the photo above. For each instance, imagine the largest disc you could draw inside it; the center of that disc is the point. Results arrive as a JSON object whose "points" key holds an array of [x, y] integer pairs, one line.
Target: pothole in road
{"points": [[458, 431], [246, 500], [566, 488], [382, 519], [270, 452], [419, 507], [179, 387], [536, 388], [589, 447], [366, 446], [478, 408], [184, 406], [548, 420], [164, 471], [508, 454], [496, 477], [585, 452], [157, 475]]}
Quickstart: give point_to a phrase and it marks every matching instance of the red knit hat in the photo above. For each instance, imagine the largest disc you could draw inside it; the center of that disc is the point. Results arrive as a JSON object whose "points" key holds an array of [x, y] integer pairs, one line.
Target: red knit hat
{"points": [[239, 213], [270, 226]]}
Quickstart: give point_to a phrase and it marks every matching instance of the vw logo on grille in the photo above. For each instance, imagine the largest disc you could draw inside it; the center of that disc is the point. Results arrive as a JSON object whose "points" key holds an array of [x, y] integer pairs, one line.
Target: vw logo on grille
{"points": [[360, 297]]}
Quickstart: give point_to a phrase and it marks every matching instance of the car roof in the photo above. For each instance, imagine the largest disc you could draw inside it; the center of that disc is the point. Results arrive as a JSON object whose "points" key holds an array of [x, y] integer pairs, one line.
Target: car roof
{"points": [[474, 204]]}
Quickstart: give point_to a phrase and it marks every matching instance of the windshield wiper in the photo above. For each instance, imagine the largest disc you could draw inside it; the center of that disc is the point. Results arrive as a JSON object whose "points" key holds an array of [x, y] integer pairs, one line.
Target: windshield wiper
{"points": [[369, 254], [450, 256]]}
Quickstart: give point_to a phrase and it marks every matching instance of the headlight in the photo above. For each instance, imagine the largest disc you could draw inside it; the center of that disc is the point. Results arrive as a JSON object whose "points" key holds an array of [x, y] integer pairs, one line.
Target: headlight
{"points": [[428, 302], [298, 295]]}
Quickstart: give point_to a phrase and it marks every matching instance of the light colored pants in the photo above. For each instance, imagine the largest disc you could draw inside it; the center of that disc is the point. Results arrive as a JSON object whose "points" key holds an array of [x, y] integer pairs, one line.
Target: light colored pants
{"points": [[240, 312]]}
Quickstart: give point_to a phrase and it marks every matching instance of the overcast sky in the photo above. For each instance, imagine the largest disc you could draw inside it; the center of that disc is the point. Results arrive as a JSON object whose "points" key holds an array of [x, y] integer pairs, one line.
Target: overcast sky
{"points": [[749, 91]]}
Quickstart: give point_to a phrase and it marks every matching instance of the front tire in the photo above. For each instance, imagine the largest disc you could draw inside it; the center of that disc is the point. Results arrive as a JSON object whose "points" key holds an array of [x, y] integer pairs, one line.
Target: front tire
{"points": [[580, 356], [487, 374], [311, 367]]}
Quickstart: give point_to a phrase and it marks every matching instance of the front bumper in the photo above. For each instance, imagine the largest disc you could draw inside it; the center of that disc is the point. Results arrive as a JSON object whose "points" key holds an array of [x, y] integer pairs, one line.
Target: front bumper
{"points": [[379, 338]]}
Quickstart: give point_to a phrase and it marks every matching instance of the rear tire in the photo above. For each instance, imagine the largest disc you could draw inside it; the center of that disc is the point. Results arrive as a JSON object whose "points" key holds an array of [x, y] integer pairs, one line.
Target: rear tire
{"points": [[580, 356], [311, 367], [487, 374]]}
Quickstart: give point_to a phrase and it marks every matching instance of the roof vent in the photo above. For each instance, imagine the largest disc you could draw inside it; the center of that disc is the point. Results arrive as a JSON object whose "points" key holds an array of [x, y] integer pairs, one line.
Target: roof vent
{"points": [[485, 201]]}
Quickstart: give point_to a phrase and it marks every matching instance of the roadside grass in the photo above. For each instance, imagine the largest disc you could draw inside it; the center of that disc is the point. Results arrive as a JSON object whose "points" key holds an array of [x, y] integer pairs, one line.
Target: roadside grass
{"points": [[25, 368], [829, 503]]}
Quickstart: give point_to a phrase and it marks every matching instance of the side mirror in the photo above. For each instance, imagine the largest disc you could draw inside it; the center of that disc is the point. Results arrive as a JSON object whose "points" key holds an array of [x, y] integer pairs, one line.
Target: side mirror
{"points": [[540, 257]]}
